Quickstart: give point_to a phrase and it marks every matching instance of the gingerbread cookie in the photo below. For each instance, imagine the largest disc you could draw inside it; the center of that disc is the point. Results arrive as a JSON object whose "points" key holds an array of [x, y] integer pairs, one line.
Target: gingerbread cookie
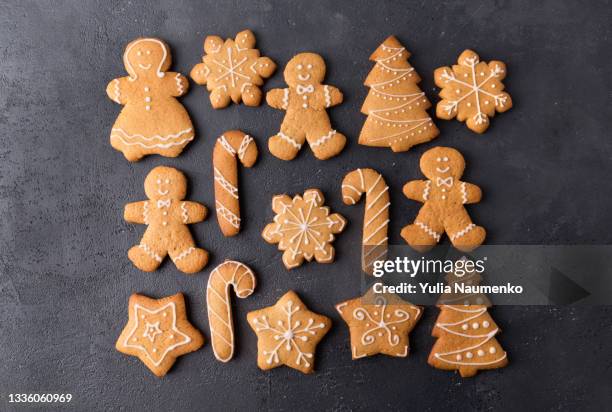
{"points": [[466, 340], [472, 91], [166, 215], [242, 279], [158, 332], [152, 121], [303, 228], [395, 105], [230, 145], [444, 197], [305, 101], [232, 70], [288, 334], [376, 218]]}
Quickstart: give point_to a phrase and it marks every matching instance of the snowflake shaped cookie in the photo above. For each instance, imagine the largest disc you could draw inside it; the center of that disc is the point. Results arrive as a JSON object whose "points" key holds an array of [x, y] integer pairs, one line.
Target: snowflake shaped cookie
{"points": [[303, 228], [288, 334], [232, 70], [158, 332], [379, 324], [472, 91]]}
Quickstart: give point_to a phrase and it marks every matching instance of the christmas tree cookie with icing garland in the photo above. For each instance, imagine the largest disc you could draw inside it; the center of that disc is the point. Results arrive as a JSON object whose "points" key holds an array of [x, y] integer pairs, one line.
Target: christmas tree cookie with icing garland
{"points": [[395, 105]]}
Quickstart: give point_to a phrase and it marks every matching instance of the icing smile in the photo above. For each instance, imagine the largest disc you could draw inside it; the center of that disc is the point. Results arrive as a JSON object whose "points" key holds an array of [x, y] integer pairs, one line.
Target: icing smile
{"points": [[145, 67], [162, 192], [304, 78], [446, 169]]}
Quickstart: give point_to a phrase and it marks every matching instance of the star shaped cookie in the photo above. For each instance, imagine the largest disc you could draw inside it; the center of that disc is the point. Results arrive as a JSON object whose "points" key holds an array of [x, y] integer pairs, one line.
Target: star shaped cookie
{"points": [[288, 334], [379, 324], [158, 332]]}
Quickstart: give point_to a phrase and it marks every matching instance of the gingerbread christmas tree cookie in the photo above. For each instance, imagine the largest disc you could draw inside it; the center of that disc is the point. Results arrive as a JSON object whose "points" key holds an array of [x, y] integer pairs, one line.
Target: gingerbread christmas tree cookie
{"points": [[152, 120], [395, 105], [472, 91], [232, 70], [288, 334], [303, 228], [379, 324], [158, 332]]}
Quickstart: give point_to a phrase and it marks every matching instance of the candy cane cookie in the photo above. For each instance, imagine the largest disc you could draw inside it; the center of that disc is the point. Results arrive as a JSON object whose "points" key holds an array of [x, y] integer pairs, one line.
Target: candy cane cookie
{"points": [[230, 145], [242, 279], [376, 217]]}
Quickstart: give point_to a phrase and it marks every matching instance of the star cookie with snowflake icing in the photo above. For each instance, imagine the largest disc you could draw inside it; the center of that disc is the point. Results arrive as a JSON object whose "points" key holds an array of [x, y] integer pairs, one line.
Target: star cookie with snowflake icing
{"points": [[233, 70], [158, 332], [472, 91], [288, 334], [303, 228], [379, 324]]}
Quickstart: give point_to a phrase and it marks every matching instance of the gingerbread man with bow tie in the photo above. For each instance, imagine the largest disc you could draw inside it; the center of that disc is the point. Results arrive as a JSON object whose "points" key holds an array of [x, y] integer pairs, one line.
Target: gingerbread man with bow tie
{"points": [[444, 197], [305, 101]]}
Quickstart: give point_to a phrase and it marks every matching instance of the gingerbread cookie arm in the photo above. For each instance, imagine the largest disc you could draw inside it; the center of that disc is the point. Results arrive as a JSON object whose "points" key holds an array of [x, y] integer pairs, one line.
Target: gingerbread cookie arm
{"points": [[376, 217], [470, 193], [332, 95], [242, 279], [278, 98], [417, 190], [118, 90], [231, 145], [175, 84], [193, 212], [137, 212]]}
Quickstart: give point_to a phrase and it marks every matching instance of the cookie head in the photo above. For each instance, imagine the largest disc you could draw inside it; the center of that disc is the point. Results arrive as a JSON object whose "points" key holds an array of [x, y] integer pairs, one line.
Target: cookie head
{"points": [[442, 162], [167, 183], [146, 56], [305, 68]]}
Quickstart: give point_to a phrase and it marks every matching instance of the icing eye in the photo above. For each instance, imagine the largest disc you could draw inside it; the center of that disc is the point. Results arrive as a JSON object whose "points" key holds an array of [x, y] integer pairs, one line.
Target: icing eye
{"points": [[299, 66], [309, 66], [446, 159], [439, 159], [167, 181], [148, 52], [159, 181], [139, 53]]}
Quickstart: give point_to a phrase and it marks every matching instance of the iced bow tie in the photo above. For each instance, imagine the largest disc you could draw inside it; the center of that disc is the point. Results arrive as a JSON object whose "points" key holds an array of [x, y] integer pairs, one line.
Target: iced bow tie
{"points": [[304, 89], [448, 182], [163, 203]]}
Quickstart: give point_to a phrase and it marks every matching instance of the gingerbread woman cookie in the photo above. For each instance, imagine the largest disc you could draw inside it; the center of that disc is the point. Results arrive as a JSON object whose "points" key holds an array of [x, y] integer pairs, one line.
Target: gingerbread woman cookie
{"points": [[152, 120], [444, 197], [305, 101], [232, 70], [166, 215], [158, 332]]}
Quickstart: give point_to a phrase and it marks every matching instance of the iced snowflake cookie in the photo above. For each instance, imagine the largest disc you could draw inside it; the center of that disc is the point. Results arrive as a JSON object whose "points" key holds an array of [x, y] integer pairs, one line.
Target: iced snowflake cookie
{"points": [[166, 215], [232, 70], [379, 324], [303, 228], [152, 120], [443, 196], [158, 332], [305, 101], [288, 334], [472, 91], [395, 105]]}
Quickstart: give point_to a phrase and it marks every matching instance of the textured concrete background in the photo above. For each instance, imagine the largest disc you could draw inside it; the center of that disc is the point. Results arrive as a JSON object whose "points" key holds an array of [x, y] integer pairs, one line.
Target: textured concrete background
{"points": [[65, 278]]}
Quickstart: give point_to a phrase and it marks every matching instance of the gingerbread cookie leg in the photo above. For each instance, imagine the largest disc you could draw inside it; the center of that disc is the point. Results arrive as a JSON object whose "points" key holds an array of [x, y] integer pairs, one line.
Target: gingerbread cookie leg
{"points": [[287, 143], [188, 258], [325, 142], [146, 256], [425, 232], [463, 234]]}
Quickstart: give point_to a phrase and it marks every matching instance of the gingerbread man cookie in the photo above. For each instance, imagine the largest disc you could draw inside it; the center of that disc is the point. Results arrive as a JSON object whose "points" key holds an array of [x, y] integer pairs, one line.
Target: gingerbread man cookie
{"points": [[379, 324], [303, 228], [232, 70], [166, 215], [158, 332], [305, 101], [152, 120], [288, 334], [472, 91], [444, 197]]}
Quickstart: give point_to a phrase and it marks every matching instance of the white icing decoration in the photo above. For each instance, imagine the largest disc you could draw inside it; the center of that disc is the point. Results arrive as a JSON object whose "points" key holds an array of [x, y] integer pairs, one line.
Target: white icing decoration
{"points": [[381, 323], [464, 196], [244, 145], [128, 64], [183, 254], [327, 96], [228, 215], [179, 83], [320, 141], [150, 252], [428, 230], [184, 212], [463, 232], [426, 190], [290, 140], [231, 69], [285, 98]]}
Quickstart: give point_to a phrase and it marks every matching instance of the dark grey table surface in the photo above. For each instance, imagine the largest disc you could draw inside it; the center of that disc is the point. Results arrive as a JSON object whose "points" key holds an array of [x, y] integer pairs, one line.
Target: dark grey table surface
{"points": [[65, 279]]}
